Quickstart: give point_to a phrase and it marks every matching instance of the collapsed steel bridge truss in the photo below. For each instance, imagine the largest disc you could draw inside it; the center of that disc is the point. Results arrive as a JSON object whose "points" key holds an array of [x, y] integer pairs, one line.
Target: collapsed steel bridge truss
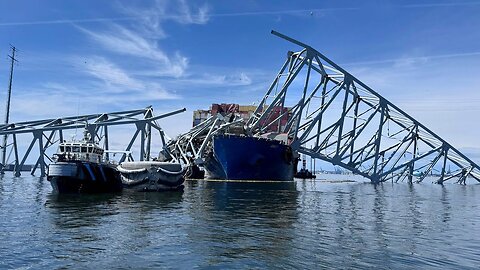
{"points": [[335, 117], [194, 145], [48, 132]]}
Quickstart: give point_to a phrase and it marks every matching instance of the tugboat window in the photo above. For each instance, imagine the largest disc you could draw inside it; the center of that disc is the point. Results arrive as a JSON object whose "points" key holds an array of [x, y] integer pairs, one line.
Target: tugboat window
{"points": [[76, 149], [62, 149], [68, 149], [84, 149]]}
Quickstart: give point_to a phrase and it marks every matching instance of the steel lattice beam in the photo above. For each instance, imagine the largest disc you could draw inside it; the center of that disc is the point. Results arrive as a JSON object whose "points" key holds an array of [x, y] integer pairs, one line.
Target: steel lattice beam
{"points": [[96, 124], [337, 118], [193, 146]]}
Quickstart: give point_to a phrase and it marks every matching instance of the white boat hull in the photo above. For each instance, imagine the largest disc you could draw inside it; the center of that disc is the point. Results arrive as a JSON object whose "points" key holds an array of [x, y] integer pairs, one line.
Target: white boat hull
{"points": [[151, 175]]}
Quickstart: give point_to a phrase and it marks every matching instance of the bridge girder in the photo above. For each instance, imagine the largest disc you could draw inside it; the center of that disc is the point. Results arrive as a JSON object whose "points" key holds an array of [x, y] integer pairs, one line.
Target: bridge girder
{"points": [[48, 132], [335, 117]]}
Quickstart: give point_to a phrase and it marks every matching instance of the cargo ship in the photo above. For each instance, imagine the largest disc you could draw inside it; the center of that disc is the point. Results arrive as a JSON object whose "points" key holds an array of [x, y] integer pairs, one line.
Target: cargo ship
{"points": [[240, 157], [220, 144]]}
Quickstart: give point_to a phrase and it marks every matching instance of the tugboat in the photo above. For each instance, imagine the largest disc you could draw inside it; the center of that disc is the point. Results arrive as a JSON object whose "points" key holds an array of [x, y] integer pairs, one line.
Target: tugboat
{"points": [[79, 167], [304, 173], [151, 175]]}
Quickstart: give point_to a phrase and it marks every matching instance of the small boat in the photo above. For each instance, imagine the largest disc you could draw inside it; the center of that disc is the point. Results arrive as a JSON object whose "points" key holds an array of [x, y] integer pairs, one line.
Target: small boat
{"points": [[79, 167], [418, 173], [304, 173], [151, 175]]}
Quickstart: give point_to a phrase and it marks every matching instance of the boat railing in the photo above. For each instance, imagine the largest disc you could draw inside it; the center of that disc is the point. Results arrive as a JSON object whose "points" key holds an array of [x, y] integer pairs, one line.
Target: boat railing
{"points": [[77, 157]]}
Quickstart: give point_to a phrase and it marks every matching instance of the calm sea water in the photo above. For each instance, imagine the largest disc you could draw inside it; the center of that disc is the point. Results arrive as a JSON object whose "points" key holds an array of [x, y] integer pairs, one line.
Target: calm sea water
{"points": [[217, 225]]}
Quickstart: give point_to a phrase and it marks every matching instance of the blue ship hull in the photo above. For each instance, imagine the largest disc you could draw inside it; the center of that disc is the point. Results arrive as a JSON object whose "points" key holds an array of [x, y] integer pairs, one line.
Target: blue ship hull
{"points": [[249, 158]]}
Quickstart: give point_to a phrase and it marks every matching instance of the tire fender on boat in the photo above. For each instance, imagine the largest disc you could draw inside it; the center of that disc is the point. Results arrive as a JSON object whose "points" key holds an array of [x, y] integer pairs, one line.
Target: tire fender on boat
{"points": [[122, 170], [160, 169]]}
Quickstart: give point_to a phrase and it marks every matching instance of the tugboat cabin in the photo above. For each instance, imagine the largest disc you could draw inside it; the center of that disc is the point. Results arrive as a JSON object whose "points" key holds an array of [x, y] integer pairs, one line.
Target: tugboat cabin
{"points": [[81, 151]]}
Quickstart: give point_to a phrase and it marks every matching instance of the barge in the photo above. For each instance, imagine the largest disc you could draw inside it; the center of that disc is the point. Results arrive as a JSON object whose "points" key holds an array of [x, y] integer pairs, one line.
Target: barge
{"points": [[151, 175]]}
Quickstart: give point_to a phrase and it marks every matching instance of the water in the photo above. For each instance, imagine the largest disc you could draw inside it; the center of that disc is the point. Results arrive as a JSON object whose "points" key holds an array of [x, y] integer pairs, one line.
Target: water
{"points": [[217, 225]]}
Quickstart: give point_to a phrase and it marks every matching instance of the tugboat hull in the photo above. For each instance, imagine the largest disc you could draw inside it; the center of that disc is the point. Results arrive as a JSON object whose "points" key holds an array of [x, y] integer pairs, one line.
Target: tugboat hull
{"points": [[83, 177]]}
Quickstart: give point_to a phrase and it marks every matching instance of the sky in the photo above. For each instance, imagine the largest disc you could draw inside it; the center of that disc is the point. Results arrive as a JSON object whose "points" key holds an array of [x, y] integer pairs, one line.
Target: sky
{"points": [[84, 56]]}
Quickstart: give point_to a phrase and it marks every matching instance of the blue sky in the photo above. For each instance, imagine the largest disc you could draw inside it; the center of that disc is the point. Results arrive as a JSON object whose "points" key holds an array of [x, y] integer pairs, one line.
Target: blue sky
{"points": [[78, 57]]}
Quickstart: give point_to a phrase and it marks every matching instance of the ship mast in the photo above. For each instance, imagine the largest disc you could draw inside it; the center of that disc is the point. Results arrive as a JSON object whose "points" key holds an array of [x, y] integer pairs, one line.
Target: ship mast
{"points": [[7, 112]]}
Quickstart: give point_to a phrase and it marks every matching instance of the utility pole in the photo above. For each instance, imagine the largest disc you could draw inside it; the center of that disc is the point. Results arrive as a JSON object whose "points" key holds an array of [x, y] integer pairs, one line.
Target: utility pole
{"points": [[7, 112]]}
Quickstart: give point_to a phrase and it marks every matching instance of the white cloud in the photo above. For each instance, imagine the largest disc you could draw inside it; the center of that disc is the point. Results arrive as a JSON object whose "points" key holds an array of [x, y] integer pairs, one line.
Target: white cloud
{"points": [[54, 99], [409, 59], [123, 41], [111, 75], [140, 38], [187, 17], [113, 82], [245, 79], [409, 62], [215, 79], [152, 17]]}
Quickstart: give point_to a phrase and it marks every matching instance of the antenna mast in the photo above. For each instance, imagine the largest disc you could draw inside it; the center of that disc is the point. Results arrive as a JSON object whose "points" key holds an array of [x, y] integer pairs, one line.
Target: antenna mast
{"points": [[7, 112]]}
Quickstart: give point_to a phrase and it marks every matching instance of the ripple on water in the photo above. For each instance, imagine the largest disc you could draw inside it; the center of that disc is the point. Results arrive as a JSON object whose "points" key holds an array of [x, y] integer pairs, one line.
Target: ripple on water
{"points": [[304, 224]]}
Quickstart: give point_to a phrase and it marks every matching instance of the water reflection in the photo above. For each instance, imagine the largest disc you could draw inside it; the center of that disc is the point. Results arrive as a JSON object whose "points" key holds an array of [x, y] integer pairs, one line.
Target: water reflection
{"points": [[244, 219], [303, 224], [2, 184], [41, 185], [446, 215], [110, 223]]}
